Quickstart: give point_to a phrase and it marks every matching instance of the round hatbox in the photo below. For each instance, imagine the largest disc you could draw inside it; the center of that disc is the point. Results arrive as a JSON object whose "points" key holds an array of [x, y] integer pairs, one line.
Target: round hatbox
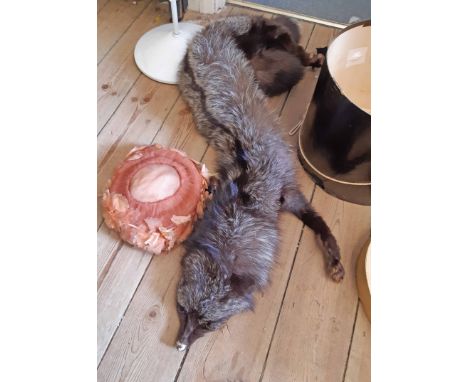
{"points": [[334, 140]]}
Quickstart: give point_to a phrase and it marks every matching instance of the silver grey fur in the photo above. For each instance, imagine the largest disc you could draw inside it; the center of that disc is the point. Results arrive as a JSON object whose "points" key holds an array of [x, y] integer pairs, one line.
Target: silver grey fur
{"points": [[233, 248]]}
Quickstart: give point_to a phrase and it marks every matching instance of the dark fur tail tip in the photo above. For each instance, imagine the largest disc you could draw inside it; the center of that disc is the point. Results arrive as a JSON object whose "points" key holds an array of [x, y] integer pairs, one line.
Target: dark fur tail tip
{"points": [[336, 272]]}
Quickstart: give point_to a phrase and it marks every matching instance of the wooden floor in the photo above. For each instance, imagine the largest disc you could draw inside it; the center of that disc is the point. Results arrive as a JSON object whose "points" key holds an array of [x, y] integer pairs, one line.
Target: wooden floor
{"points": [[304, 328]]}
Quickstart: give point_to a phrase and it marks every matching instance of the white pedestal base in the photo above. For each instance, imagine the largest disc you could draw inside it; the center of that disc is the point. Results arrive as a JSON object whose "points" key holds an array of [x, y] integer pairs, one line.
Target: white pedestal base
{"points": [[159, 52]]}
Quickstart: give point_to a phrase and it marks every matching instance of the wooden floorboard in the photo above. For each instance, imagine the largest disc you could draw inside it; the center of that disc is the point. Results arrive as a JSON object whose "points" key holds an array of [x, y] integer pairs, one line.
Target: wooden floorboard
{"points": [[146, 99], [100, 4], [113, 20], [117, 71], [314, 330], [142, 349], [359, 367], [137, 322]]}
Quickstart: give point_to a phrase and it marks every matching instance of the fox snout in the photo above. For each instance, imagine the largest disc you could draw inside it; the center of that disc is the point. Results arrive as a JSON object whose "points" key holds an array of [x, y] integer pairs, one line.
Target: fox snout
{"points": [[180, 346], [188, 324], [183, 340]]}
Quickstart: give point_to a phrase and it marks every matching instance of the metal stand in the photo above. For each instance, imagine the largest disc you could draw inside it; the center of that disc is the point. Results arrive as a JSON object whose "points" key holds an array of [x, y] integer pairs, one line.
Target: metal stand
{"points": [[159, 52]]}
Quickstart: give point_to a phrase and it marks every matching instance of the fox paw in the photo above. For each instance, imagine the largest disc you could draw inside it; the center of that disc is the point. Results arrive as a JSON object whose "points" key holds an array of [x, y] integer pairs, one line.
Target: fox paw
{"points": [[336, 272]]}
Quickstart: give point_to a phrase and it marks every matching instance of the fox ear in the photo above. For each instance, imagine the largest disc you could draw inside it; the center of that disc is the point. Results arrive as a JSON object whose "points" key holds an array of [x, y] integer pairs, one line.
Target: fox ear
{"points": [[242, 285]]}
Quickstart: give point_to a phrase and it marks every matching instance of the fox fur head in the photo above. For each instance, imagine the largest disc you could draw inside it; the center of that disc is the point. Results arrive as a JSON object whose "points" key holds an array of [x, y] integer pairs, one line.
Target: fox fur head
{"points": [[207, 297]]}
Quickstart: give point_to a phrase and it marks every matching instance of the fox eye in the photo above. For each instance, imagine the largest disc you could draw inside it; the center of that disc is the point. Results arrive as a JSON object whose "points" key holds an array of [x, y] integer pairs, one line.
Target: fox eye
{"points": [[205, 325], [180, 308]]}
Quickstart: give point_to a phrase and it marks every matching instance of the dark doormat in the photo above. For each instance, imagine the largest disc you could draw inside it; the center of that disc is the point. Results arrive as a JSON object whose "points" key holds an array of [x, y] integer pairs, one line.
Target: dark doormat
{"points": [[338, 11]]}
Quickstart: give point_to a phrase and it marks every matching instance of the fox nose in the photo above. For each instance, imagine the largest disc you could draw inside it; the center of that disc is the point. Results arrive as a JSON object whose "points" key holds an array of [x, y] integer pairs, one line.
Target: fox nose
{"points": [[180, 346]]}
